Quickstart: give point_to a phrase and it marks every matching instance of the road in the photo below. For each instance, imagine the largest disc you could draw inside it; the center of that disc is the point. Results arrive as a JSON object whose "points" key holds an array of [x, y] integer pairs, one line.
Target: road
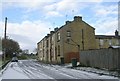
{"points": [[29, 69]]}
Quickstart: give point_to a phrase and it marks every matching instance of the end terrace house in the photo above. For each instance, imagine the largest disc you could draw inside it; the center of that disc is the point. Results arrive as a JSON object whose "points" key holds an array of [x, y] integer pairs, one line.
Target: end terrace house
{"points": [[62, 42]]}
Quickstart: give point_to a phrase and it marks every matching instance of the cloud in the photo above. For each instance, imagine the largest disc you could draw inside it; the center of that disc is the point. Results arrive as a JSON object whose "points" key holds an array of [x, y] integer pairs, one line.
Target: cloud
{"points": [[106, 26], [64, 7], [105, 18], [27, 5], [105, 10], [24, 41], [39, 4], [67, 5], [50, 8], [98, 0], [27, 33], [53, 14]]}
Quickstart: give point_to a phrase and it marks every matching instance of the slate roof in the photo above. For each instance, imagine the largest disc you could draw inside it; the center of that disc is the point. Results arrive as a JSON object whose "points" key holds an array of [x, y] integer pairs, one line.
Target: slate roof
{"points": [[106, 36]]}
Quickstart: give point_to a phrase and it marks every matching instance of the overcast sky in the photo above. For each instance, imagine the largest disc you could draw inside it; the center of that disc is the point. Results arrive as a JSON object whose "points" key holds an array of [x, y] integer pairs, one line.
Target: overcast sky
{"points": [[30, 20]]}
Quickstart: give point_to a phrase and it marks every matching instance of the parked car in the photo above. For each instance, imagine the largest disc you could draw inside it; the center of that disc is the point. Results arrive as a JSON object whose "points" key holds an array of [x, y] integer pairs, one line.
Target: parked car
{"points": [[14, 59]]}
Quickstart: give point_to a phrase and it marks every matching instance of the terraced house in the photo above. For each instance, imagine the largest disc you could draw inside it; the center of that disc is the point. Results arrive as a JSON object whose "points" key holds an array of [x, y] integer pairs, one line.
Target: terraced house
{"points": [[65, 42], [106, 41]]}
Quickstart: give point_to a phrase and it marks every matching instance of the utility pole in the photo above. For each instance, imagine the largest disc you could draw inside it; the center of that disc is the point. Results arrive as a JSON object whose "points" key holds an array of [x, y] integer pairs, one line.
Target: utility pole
{"points": [[5, 38], [5, 27]]}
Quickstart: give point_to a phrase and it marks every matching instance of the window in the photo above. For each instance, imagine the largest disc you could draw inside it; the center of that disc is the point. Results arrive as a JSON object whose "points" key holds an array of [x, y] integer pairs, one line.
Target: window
{"points": [[68, 34], [58, 50], [52, 38], [51, 55], [101, 42], [47, 43], [117, 42], [110, 42], [43, 43], [43, 52], [56, 53], [58, 36]]}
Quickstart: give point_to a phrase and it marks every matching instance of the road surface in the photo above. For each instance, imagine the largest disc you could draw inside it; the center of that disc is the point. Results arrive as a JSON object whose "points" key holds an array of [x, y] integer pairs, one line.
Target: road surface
{"points": [[29, 69]]}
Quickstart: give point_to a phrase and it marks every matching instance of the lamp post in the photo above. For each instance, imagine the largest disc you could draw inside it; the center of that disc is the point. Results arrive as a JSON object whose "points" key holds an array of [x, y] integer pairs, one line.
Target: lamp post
{"points": [[75, 43]]}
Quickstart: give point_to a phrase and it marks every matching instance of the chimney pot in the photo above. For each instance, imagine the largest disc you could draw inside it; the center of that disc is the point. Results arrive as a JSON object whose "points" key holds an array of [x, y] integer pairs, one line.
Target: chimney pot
{"points": [[55, 29], [67, 22], [77, 18], [51, 32]]}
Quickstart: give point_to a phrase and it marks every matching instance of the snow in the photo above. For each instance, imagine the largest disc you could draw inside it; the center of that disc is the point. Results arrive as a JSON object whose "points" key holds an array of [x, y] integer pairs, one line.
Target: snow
{"points": [[12, 71], [77, 74], [115, 46], [94, 70], [30, 69]]}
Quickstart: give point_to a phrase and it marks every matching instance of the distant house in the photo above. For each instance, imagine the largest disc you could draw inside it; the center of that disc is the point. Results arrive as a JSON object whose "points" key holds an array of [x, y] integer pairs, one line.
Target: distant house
{"points": [[106, 41]]}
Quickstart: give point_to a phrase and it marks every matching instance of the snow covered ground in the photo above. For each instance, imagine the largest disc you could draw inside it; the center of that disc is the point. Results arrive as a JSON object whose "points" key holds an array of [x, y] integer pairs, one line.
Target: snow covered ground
{"points": [[12, 71], [29, 69], [93, 70]]}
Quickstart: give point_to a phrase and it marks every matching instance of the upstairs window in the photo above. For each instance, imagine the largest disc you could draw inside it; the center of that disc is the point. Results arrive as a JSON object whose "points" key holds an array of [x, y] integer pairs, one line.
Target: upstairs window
{"points": [[58, 36], [110, 42], [68, 34], [101, 42], [47, 43]]}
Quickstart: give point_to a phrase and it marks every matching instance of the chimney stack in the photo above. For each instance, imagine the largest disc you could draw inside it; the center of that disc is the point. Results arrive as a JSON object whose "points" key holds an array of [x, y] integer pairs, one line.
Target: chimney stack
{"points": [[116, 33], [55, 29], [51, 32], [67, 22], [77, 18]]}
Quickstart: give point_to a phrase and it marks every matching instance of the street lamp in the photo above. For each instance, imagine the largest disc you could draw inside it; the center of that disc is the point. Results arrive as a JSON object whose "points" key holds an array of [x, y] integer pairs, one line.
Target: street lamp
{"points": [[75, 43]]}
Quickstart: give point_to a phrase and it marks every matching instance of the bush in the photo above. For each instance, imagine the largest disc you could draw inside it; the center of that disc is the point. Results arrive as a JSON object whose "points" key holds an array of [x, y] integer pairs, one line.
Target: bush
{"points": [[22, 57]]}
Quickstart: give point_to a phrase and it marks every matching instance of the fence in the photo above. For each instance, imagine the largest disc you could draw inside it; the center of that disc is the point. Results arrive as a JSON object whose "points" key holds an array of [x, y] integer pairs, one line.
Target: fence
{"points": [[102, 58]]}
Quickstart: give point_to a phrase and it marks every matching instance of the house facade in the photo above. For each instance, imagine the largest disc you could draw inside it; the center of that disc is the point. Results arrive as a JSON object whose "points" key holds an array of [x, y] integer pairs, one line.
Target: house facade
{"points": [[63, 42], [106, 41]]}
